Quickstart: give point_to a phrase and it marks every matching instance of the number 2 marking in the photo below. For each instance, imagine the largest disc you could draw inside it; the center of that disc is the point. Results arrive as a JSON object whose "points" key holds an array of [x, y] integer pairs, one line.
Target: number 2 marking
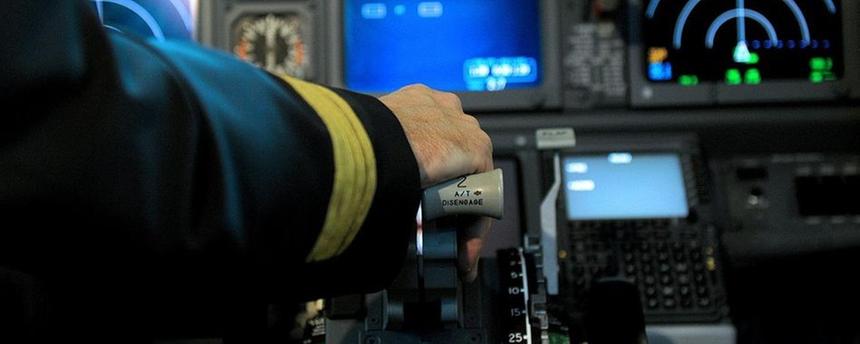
{"points": [[460, 184]]}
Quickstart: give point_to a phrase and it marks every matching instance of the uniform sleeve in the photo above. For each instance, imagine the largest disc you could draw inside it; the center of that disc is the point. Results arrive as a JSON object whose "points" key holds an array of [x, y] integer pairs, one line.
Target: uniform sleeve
{"points": [[169, 170]]}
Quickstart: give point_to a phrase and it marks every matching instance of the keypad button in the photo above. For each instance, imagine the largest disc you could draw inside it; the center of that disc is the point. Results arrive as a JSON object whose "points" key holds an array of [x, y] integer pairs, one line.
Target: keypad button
{"points": [[653, 303], [666, 279], [669, 303], [704, 302], [630, 269], [647, 268], [650, 291], [668, 291], [650, 280]]}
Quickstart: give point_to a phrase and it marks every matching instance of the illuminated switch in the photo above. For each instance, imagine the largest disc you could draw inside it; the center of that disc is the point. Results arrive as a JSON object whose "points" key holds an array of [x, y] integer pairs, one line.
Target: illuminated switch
{"points": [[660, 71], [711, 264], [657, 55]]}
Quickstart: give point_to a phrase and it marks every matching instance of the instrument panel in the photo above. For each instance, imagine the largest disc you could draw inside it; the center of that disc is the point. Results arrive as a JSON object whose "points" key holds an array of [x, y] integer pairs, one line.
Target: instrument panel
{"points": [[536, 55], [273, 41], [742, 42]]}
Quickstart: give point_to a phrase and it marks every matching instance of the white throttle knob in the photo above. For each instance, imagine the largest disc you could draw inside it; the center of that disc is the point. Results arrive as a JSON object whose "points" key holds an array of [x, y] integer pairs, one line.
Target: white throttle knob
{"points": [[477, 194]]}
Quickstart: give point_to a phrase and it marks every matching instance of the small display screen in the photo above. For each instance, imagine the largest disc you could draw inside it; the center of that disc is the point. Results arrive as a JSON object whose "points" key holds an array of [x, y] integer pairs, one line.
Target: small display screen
{"points": [[740, 42], [624, 186], [156, 19], [452, 45]]}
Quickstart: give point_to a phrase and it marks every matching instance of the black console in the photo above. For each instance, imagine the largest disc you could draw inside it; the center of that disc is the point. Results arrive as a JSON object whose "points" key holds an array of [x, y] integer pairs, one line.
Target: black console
{"points": [[674, 265]]}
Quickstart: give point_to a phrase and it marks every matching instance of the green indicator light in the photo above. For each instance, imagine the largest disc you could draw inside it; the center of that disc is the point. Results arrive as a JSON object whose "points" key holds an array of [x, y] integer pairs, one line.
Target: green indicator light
{"points": [[753, 58], [828, 64], [752, 76], [688, 80], [817, 63], [816, 77], [733, 77]]}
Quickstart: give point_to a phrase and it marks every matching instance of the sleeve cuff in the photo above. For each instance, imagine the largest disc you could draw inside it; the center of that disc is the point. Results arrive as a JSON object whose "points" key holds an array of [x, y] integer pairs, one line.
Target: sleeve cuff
{"points": [[376, 253]]}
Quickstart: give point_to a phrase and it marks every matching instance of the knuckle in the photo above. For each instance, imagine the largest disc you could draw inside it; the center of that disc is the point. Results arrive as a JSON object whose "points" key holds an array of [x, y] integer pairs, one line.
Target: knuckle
{"points": [[472, 119], [449, 99]]}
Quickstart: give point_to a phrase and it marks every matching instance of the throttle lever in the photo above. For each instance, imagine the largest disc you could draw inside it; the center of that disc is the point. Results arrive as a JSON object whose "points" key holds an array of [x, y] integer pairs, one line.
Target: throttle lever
{"points": [[477, 194]]}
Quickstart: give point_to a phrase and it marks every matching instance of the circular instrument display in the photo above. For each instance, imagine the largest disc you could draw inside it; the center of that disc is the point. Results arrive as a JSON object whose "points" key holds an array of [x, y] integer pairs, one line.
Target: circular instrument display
{"points": [[274, 42], [741, 41], [157, 19]]}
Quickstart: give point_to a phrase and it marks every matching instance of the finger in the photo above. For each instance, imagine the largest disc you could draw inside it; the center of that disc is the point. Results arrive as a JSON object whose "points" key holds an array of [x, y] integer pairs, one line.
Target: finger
{"points": [[472, 235], [483, 153], [473, 255]]}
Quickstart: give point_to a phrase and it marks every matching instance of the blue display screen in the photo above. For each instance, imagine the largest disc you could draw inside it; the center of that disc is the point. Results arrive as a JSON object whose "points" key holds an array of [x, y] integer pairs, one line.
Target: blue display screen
{"points": [[157, 19], [453, 45], [624, 186]]}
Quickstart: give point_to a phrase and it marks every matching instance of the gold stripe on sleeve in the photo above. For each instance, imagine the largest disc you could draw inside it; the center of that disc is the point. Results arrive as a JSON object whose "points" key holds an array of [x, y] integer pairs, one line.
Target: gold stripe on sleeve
{"points": [[354, 182]]}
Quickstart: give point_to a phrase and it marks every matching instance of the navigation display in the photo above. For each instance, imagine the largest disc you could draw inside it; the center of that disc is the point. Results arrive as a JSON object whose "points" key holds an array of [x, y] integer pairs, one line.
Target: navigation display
{"points": [[453, 45], [624, 186], [739, 42]]}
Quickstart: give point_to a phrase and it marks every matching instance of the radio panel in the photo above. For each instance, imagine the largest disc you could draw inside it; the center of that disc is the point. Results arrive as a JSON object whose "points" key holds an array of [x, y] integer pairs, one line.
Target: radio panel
{"points": [[788, 204]]}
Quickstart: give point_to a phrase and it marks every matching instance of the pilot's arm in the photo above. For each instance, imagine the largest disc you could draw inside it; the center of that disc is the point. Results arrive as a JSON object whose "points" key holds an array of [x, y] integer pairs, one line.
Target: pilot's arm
{"points": [[156, 172]]}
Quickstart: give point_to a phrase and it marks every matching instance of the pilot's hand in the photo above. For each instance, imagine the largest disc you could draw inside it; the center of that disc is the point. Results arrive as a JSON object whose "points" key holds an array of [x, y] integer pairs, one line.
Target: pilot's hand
{"points": [[447, 143]]}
